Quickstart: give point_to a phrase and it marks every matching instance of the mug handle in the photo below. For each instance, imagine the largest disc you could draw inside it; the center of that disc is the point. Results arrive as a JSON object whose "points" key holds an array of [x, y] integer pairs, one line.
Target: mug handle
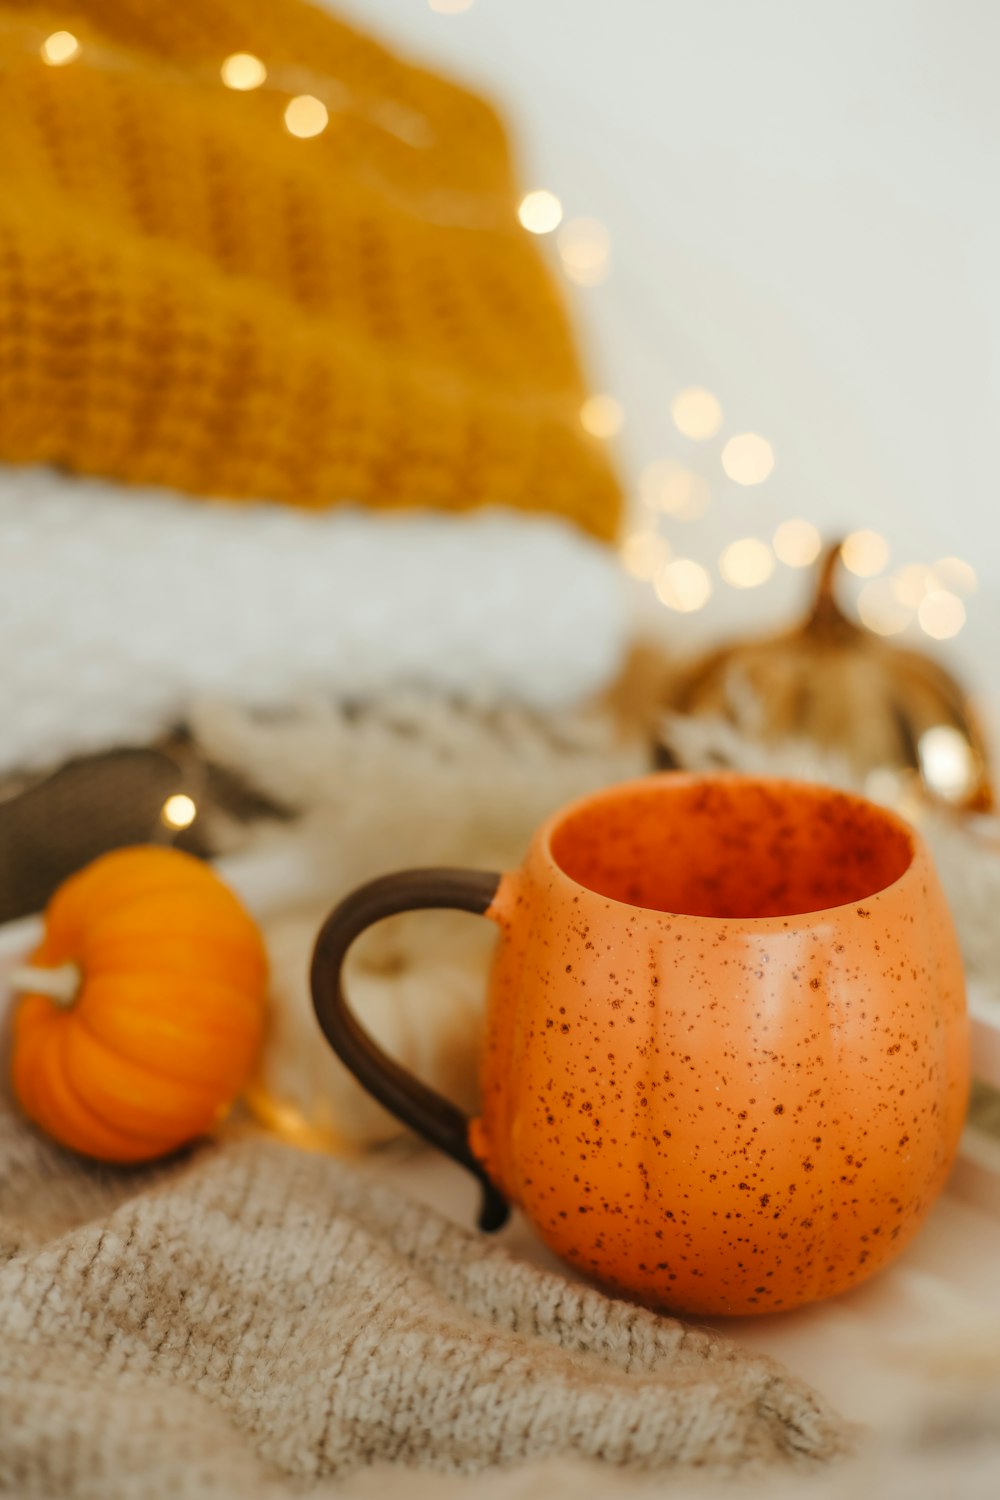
{"points": [[404, 1096]]}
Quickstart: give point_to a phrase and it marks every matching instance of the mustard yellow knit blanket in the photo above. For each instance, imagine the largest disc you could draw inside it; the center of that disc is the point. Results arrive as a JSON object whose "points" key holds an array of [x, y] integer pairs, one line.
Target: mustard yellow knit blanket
{"points": [[192, 295]]}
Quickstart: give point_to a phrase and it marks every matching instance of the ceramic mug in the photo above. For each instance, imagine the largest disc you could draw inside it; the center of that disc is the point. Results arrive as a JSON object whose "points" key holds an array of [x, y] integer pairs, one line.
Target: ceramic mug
{"points": [[725, 1062]]}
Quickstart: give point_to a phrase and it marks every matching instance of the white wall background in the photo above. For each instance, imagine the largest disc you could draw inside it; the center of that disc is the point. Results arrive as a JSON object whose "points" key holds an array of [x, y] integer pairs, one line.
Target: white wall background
{"points": [[804, 210]]}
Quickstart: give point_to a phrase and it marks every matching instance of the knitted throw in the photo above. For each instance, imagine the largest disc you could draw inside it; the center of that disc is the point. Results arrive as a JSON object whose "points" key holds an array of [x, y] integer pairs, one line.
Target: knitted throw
{"points": [[192, 296], [248, 1321]]}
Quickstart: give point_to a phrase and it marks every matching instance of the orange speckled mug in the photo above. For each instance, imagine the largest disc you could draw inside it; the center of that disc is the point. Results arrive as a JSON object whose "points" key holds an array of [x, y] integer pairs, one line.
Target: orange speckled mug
{"points": [[725, 1064]]}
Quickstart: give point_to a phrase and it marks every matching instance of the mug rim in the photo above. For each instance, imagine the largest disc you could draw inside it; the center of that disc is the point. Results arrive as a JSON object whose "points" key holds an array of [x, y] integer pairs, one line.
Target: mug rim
{"points": [[781, 922]]}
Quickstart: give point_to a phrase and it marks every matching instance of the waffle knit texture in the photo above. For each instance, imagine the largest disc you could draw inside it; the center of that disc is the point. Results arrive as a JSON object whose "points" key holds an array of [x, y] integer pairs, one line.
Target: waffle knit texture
{"points": [[191, 296], [251, 1320]]}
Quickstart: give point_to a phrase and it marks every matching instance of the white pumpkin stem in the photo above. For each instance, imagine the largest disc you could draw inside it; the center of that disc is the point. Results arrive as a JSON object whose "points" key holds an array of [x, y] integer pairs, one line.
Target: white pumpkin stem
{"points": [[61, 985]]}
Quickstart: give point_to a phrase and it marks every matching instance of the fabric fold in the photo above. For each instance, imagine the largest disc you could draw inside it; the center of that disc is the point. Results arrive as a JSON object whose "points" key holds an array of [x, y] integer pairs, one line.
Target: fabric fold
{"points": [[250, 1314]]}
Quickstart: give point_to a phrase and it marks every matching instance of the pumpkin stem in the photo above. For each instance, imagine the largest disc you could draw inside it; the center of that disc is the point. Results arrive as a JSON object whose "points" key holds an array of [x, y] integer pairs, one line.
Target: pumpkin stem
{"points": [[826, 614], [61, 985]]}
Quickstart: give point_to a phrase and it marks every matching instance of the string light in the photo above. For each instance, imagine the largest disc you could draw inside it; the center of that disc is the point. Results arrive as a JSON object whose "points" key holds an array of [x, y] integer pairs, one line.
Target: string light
{"points": [[881, 609], [747, 563], [947, 761], [540, 211], [602, 416], [696, 413], [306, 116], [956, 574], [864, 553], [941, 615], [585, 251], [243, 71], [797, 543], [644, 553], [885, 606], [912, 584], [179, 811], [674, 490], [748, 458], [683, 585], [59, 48]]}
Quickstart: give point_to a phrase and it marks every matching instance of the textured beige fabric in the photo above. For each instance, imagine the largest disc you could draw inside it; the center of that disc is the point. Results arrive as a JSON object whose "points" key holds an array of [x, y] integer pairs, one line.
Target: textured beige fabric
{"points": [[251, 1321]]}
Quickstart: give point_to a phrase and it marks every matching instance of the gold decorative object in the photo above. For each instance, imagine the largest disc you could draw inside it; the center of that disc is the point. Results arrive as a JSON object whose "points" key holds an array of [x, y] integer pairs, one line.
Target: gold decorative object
{"points": [[832, 682]]}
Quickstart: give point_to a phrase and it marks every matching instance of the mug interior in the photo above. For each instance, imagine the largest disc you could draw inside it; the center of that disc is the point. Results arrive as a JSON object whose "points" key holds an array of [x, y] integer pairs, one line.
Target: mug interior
{"points": [[722, 847]]}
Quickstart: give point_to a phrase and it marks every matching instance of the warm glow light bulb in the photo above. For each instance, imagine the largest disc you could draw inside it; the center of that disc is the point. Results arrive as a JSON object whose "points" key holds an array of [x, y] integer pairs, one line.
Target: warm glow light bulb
{"points": [[59, 48], [306, 116], [602, 416], [747, 563], [748, 458], [864, 553], [585, 251], [540, 211], [179, 811], [643, 553], [881, 609], [683, 585], [912, 584], [243, 71], [955, 574], [941, 615], [946, 761], [674, 490], [696, 413], [797, 543]]}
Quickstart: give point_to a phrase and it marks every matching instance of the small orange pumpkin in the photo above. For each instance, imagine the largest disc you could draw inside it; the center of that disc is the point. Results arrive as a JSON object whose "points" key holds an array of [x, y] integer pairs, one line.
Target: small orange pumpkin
{"points": [[142, 1008]]}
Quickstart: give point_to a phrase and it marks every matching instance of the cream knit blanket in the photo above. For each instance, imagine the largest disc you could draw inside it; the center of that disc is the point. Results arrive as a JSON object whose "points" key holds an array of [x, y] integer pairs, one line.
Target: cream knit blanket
{"points": [[249, 1321]]}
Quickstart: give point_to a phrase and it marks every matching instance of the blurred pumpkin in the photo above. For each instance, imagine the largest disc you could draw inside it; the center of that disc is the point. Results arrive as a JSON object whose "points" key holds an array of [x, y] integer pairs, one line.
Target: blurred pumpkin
{"points": [[142, 1008], [833, 683]]}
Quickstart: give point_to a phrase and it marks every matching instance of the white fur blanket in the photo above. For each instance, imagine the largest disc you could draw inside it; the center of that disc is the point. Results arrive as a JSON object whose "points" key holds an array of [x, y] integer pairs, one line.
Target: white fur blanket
{"points": [[120, 606]]}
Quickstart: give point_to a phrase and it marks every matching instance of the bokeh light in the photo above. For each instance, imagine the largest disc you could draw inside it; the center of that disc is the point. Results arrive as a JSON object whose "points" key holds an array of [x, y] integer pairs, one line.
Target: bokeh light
{"points": [[797, 543], [912, 584], [696, 413], [306, 116], [674, 490], [243, 71], [602, 416], [59, 48], [683, 585], [947, 761], [644, 553], [179, 811], [864, 553], [540, 211], [585, 251], [955, 574], [747, 563], [748, 458], [941, 615], [881, 609]]}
